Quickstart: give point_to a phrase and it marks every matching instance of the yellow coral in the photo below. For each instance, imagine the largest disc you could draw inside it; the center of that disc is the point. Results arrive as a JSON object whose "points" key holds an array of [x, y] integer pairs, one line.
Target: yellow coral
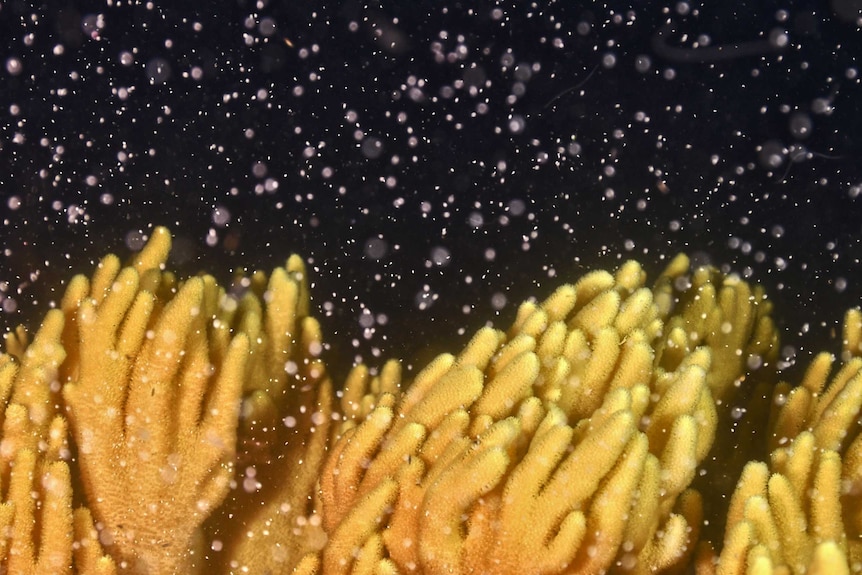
{"points": [[156, 436], [561, 445], [150, 372], [199, 432], [800, 514], [789, 521]]}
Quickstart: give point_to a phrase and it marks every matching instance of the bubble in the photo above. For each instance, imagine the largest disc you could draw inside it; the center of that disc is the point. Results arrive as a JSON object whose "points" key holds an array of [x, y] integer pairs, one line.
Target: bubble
{"points": [[643, 63], [259, 169], [366, 319], [14, 66], [376, 248], [9, 305], [771, 154], [158, 70], [425, 298], [267, 27], [822, 106], [498, 301], [221, 216], [778, 38], [840, 284], [517, 207], [440, 256], [91, 24], [371, 148], [800, 125], [517, 124], [475, 77], [523, 73], [135, 240]]}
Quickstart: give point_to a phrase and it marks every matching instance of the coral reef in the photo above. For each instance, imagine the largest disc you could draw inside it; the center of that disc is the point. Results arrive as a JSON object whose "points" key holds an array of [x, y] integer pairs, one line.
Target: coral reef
{"points": [[156, 426]]}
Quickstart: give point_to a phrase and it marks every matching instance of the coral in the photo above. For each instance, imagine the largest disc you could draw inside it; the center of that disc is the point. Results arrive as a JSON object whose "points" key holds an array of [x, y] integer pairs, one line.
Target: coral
{"points": [[567, 443], [144, 394], [153, 409], [37, 517], [158, 425], [802, 512]]}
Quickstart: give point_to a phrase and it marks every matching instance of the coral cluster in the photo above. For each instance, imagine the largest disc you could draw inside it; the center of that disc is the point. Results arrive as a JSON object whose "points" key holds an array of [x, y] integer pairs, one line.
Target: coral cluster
{"points": [[159, 426]]}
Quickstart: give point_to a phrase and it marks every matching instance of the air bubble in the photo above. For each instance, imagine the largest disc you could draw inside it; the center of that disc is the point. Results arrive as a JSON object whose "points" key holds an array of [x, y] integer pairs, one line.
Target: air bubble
{"points": [[14, 66], [800, 125], [643, 63], [158, 71]]}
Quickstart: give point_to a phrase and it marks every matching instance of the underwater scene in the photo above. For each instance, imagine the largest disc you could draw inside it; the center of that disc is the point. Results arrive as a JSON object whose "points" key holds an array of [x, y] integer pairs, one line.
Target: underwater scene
{"points": [[430, 287]]}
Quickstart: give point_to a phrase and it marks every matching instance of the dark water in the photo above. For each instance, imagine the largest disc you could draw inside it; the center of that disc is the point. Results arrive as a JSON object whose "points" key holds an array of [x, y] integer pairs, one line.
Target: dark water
{"points": [[436, 162]]}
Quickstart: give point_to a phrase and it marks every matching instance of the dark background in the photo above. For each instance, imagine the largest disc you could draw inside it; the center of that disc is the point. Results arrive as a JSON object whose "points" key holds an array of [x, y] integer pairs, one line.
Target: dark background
{"points": [[436, 162]]}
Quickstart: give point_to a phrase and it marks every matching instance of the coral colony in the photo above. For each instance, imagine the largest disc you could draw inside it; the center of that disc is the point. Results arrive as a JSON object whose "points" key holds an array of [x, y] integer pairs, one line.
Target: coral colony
{"points": [[159, 425]]}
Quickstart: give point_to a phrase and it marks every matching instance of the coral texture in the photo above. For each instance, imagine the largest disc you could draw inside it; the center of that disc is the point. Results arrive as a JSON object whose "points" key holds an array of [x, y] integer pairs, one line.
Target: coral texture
{"points": [[157, 426]]}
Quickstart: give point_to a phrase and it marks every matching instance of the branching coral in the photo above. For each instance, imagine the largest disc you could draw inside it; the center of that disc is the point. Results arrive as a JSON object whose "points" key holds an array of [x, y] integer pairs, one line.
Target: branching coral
{"points": [[566, 444], [162, 426], [154, 413], [38, 522], [802, 513], [152, 374]]}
